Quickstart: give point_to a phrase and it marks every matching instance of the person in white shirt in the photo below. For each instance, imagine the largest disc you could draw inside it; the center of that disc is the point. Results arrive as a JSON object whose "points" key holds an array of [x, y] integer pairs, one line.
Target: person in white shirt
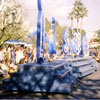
{"points": [[2, 53], [5, 69], [19, 55]]}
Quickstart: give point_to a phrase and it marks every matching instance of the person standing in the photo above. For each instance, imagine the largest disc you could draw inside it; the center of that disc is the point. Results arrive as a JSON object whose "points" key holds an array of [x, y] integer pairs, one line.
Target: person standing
{"points": [[13, 55], [84, 45], [51, 44]]}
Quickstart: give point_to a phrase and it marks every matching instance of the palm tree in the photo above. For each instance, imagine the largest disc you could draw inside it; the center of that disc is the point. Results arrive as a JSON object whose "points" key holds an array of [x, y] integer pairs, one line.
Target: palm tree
{"points": [[71, 17], [77, 10], [83, 14], [80, 12]]}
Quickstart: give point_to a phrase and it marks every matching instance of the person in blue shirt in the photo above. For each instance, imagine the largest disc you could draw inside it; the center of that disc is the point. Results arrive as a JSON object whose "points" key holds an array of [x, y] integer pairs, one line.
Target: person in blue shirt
{"points": [[51, 44], [84, 45], [73, 45]]}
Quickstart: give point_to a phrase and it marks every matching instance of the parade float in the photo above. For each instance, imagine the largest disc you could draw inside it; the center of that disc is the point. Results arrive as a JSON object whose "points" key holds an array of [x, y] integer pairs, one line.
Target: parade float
{"points": [[58, 76]]}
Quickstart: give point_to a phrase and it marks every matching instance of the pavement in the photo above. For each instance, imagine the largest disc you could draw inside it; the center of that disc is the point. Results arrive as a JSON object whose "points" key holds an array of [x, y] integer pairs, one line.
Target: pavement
{"points": [[86, 88]]}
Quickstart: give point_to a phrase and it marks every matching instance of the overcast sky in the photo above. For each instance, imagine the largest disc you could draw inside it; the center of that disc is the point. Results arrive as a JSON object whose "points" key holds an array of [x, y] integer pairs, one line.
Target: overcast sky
{"points": [[59, 9]]}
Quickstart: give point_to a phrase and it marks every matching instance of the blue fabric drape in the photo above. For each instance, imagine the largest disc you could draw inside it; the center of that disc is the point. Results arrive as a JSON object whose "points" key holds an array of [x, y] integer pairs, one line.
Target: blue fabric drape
{"points": [[43, 34], [84, 44], [39, 30], [65, 46]]}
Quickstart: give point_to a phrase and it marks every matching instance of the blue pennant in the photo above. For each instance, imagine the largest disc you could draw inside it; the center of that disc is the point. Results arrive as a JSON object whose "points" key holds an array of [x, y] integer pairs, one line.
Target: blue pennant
{"points": [[33, 34]]}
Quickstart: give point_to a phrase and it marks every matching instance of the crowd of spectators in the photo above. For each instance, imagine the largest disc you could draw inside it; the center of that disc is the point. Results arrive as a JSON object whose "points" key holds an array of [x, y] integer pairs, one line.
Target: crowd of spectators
{"points": [[95, 53], [11, 56]]}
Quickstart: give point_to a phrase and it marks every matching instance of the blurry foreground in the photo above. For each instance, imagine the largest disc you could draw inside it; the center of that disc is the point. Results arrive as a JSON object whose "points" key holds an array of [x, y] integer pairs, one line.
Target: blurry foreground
{"points": [[86, 88]]}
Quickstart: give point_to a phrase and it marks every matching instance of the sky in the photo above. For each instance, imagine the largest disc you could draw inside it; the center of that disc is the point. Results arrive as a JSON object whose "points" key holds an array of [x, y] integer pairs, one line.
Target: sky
{"points": [[60, 9]]}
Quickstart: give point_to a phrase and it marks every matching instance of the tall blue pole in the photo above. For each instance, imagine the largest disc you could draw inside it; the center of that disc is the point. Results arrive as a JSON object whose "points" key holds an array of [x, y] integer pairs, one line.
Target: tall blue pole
{"points": [[39, 30]]}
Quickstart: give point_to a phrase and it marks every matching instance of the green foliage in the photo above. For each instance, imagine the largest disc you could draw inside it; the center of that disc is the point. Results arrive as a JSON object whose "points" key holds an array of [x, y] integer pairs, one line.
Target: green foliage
{"points": [[82, 32], [96, 40], [58, 33], [47, 25], [78, 11], [12, 23], [98, 36], [98, 33], [71, 15], [75, 30], [77, 8], [70, 32]]}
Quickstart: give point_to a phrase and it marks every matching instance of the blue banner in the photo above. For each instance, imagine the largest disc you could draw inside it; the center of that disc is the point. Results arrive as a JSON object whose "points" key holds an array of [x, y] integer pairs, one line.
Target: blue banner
{"points": [[33, 34]]}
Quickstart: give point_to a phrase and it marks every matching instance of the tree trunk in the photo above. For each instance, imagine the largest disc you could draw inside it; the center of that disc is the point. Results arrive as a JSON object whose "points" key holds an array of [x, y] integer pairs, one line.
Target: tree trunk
{"points": [[81, 24], [72, 25], [77, 24]]}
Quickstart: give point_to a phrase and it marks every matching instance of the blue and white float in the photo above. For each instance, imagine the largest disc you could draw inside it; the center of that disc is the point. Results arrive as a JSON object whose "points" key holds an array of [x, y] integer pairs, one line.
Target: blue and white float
{"points": [[58, 76]]}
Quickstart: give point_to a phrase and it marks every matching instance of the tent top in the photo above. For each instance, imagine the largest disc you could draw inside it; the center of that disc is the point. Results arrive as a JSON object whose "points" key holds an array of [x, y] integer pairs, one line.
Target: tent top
{"points": [[17, 42]]}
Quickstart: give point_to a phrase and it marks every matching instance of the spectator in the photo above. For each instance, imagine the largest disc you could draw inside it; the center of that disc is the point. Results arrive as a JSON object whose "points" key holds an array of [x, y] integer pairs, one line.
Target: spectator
{"points": [[19, 55], [29, 53], [2, 53], [5, 69], [13, 67], [13, 55], [46, 56]]}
